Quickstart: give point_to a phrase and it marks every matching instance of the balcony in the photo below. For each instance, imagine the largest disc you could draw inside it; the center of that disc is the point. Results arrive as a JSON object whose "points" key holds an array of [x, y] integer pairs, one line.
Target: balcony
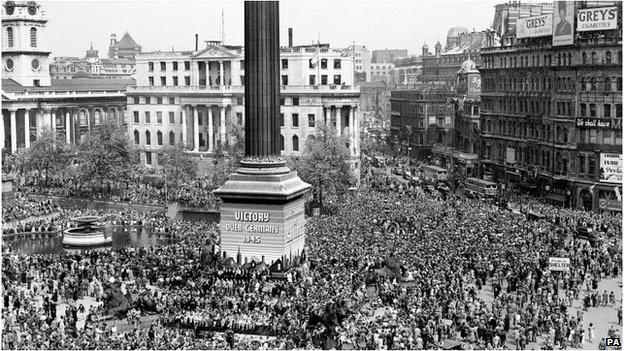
{"points": [[35, 95]]}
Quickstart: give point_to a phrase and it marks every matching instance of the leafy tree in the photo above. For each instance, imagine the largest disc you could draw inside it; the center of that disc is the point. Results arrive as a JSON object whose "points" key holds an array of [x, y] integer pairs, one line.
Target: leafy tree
{"points": [[48, 156], [370, 146], [324, 163], [228, 156], [106, 156], [178, 166]]}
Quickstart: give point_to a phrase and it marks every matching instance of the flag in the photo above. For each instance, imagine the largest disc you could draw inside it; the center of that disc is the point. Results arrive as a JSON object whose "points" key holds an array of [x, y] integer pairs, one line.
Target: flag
{"points": [[617, 193], [316, 57]]}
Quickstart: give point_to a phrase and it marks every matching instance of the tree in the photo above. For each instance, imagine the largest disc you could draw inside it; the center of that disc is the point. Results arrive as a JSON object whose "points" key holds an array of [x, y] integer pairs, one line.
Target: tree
{"points": [[371, 146], [178, 166], [48, 156], [228, 155], [325, 163], [106, 156]]}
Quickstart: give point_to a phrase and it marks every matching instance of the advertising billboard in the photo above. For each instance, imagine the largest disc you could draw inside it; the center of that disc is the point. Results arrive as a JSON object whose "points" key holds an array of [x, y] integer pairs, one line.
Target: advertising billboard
{"points": [[563, 23], [594, 123], [603, 18], [539, 26], [611, 168]]}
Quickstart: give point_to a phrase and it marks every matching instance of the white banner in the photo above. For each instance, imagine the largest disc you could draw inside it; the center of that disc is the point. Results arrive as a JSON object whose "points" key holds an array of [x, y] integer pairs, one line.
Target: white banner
{"points": [[611, 168], [603, 18], [539, 26], [559, 264], [563, 23], [511, 155]]}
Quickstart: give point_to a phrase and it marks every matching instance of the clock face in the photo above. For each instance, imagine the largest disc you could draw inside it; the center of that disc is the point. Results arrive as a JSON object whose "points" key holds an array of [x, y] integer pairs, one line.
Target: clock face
{"points": [[34, 64], [8, 64]]}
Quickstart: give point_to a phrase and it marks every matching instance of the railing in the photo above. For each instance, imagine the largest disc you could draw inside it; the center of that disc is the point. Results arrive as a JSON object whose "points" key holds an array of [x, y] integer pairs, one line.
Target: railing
{"points": [[241, 89], [64, 94]]}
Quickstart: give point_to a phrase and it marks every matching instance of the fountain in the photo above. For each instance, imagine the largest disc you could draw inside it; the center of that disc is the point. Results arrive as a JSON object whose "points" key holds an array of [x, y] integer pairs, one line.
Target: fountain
{"points": [[87, 235]]}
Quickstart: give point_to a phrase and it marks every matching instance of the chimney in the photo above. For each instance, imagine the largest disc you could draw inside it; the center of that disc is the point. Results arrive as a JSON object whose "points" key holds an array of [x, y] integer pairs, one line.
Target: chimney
{"points": [[290, 37], [196, 41]]}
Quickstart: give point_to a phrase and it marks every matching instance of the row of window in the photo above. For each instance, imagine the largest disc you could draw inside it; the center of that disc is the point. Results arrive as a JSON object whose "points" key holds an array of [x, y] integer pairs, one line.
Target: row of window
{"points": [[175, 81], [312, 63], [159, 138], [519, 129], [530, 156], [11, 37], [562, 84], [159, 117], [560, 59], [312, 79], [590, 110], [174, 66]]}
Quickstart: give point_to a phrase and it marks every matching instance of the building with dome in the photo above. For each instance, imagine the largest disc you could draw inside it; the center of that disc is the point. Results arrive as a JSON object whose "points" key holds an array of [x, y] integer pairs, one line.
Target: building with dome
{"points": [[33, 101]]}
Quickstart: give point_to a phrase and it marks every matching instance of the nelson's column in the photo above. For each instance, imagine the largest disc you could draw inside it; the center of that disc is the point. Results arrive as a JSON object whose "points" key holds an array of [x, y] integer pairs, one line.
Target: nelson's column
{"points": [[262, 214]]}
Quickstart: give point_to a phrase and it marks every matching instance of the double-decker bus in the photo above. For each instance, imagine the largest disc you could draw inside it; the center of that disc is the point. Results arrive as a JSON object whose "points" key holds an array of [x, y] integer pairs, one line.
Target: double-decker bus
{"points": [[434, 174], [481, 188]]}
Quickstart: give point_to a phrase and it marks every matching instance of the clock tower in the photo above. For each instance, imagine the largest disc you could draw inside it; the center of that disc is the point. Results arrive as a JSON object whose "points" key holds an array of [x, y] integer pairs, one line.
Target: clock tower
{"points": [[25, 57]]}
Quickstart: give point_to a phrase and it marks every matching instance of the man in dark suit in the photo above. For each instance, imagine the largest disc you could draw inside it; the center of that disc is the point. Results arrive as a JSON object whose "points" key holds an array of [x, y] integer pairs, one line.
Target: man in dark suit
{"points": [[563, 27]]}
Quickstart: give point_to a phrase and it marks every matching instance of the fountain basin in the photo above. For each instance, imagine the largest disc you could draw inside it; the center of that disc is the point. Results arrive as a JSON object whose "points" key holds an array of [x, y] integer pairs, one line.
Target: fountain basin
{"points": [[88, 235]]}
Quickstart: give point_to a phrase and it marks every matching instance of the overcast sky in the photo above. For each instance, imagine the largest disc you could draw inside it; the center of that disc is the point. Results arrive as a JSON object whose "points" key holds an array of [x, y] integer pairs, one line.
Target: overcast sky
{"points": [[161, 25]]}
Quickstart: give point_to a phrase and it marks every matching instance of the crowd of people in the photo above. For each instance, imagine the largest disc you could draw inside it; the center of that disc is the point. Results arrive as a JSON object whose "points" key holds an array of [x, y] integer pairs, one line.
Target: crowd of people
{"points": [[23, 207], [393, 269]]}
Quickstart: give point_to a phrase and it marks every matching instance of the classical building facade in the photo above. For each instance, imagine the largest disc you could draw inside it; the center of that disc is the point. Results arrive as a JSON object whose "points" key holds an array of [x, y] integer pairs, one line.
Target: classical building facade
{"points": [[552, 115], [193, 97], [33, 102]]}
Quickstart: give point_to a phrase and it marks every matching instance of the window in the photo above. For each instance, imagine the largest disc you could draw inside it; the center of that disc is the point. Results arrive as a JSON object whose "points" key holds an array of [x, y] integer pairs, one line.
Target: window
{"points": [[151, 81], [147, 117], [337, 63], [136, 100], [583, 110], [187, 80], [148, 138], [618, 110], [242, 64], [159, 138], [159, 117], [607, 111], [281, 119], [295, 120], [163, 81], [619, 83], [97, 117], [82, 118], [136, 117], [175, 65], [594, 57], [10, 36], [295, 101], [284, 80], [159, 100], [136, 137], [175, 81], [171, 138], [284, 63], [591, 169], [239, 118], [282, 101], [242, 79], [310, 64], [163, 66], [150, 66], [295, 143], [33, 37], [337, 79], [281, 142], [311, 120], [608, 57], [171, 117], [584, 58], [592, 110], [187, 65], [148, 158], [324, 79], [324, 63], [312, 79]]}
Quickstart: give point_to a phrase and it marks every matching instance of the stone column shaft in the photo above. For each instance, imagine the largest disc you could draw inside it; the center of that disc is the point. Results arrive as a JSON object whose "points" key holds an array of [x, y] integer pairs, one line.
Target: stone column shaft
{"points": [[13, 130], [67, 128], [27, 128], [195, 129], [210, 130], [222, 125], [184, 126], [221, 77]]}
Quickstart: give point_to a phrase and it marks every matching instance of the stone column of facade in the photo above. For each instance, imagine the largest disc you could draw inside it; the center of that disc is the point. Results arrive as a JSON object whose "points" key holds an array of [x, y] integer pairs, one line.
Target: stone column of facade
{"points": [[351, 129], [210, 130], [356, 127], [89, 115], [2, 134], [339, 120], [13, 130], [221, 77], [53, 122], [326, 117], [207, 64], [222, 125], [184, 126], [27, 128], [195, 129], [67, 127]]}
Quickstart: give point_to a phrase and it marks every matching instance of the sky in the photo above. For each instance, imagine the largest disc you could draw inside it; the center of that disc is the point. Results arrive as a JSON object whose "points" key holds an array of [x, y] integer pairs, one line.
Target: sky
{"points": [[163, 25]]}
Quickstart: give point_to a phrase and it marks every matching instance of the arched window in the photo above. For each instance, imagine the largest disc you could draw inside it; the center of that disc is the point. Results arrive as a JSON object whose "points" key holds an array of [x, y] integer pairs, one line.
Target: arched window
{"points": [[97, 117], [594, 57], [607, 84], [33, 37], [136, 137], [582, 84], [295, 143], [584, 58], [111, 114], [159, 138], [148, 138], [10, 37], [82, 118], [608, 58], [592, 83], [171, 138]]}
